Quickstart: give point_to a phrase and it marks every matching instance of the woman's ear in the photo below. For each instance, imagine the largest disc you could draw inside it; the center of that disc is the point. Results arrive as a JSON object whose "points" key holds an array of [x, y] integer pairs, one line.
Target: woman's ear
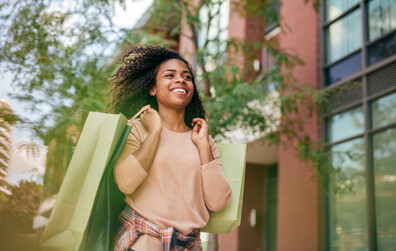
{"points": [[152, 92]]}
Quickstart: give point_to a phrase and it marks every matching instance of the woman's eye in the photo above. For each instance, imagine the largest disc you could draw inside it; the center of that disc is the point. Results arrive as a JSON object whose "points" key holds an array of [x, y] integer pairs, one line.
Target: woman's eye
{"points": [[187, 77], [169, 75]]}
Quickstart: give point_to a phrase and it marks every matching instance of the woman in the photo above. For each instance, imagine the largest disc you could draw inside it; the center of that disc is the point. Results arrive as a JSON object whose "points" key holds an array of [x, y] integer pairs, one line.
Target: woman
{"points": [[169, 169]]}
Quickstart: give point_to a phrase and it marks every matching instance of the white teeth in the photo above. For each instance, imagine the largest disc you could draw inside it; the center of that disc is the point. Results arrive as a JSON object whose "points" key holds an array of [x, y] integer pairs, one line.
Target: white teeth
{"points": [[179, 90]]}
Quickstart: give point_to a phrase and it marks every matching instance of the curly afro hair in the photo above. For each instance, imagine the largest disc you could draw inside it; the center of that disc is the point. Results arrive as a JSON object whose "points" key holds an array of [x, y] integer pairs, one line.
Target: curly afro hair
{"points": [[130, 86]]}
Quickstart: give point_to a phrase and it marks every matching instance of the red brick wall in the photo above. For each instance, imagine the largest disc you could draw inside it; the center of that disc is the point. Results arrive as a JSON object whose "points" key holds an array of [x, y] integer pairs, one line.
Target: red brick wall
{"points": [[298, 194]]}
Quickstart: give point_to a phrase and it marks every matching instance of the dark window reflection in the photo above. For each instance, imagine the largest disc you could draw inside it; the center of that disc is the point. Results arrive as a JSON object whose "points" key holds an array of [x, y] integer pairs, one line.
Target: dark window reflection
{"points": [[344, 68], [382, 49]]}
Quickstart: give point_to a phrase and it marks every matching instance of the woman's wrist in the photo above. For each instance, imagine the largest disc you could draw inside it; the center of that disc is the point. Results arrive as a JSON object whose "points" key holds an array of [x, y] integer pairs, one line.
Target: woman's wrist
{"points": [[203, 144], [156, 131], [205, 152]]}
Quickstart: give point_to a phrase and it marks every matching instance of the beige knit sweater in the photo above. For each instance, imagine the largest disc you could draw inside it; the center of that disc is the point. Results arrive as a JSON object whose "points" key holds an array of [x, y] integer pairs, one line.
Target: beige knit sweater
{"points": [[177, 191]]}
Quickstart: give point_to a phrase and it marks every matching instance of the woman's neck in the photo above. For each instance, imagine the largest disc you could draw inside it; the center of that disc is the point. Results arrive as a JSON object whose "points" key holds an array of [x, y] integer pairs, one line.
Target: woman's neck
{"points": [[173, 119]]}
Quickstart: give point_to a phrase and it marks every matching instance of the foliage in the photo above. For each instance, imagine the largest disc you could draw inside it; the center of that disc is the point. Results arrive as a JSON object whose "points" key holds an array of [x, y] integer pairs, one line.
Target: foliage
{"points": [[7, 116], [24, 202]]}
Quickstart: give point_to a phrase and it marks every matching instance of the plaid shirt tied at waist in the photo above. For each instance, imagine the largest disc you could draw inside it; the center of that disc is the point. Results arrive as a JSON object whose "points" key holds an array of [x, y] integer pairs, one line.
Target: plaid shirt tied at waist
{"points": [[133, 225]]}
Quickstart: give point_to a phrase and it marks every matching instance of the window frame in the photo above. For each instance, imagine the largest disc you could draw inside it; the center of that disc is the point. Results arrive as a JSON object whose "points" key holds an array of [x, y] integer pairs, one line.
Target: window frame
{"points": [[365, 67], [365, 101]]}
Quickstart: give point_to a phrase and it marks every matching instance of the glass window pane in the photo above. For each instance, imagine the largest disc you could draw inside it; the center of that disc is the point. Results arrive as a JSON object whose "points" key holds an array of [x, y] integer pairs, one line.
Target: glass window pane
{"points": [[346, 124], [384, 110], [384, 144], [344, 36], [382, 49], [217, 33], [334, 8], [382, 17], [347, 197], [272, 15], [344, 68]]}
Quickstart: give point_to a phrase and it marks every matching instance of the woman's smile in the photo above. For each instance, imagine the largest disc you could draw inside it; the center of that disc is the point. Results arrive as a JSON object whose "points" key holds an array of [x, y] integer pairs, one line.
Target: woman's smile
{"points": [[179, 90]]}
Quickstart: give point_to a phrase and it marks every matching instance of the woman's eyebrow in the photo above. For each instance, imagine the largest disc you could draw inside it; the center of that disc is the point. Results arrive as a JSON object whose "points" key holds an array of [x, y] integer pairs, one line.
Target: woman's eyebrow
{"points": [[173, 70]]}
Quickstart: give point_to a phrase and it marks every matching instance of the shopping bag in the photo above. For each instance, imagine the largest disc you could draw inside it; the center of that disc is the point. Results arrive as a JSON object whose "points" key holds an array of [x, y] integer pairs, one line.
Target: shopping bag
{"points": [[233, 159], [109, 203], [71, 213]]}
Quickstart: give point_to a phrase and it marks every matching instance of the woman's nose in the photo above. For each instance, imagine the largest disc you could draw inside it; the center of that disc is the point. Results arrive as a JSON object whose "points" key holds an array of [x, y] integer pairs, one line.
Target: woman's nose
{"points": [[179, 79]]}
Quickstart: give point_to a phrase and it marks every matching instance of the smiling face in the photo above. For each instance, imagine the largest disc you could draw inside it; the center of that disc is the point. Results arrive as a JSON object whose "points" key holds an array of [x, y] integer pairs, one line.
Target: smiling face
{"points": [[174, 87]]}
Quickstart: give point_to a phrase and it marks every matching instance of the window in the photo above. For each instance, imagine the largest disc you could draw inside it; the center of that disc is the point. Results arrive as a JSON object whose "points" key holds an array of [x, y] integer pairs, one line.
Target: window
{"points": [[363, 156], [347, 200], [357, 34], [344, 36], [272, 17], [217, 33], [360, 48], [381, 17], [382, 21], [346, 124], [361, 131], [383, 111], [335, 8], [384, 159]]}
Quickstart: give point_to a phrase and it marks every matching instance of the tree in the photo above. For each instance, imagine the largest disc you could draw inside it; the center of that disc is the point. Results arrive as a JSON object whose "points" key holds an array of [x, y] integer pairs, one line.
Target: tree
{"points": [[16, 219], [24, 202], [62, 58]]}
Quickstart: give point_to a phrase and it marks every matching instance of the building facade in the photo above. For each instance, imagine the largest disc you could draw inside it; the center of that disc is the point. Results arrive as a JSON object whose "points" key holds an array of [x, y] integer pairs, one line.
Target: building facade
{"points": [[348, 48], [6, 138]]}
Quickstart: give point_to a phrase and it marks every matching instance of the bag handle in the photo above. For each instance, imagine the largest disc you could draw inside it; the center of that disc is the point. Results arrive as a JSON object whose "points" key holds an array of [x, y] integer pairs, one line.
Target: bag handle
{"points": [[144, 108]]}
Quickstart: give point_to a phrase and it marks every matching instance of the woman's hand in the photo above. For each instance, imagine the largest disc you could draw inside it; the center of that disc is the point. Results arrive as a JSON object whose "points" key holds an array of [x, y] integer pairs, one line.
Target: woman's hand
{"points": [[200, 137], [151, 120], [199, 132]]}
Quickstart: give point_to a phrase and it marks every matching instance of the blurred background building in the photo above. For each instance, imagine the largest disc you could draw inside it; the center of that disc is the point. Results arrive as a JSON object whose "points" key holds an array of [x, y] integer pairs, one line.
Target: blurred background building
{"points": [[6, 138]]}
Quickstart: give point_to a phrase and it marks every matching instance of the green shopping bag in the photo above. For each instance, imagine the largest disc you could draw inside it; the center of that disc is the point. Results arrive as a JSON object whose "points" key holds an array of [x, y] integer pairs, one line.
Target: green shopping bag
{"points": [[109, 203], [70, 215], [233, 159]]}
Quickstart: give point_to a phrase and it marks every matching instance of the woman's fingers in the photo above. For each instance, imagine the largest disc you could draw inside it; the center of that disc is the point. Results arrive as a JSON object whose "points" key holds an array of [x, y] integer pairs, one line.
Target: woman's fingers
{"points": [[198, 121], [196, 129]]}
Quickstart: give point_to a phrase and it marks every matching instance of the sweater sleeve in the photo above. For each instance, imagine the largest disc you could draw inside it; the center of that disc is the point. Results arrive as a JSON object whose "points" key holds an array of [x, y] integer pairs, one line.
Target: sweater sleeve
{"points": [[216, 190], [128, 172]]}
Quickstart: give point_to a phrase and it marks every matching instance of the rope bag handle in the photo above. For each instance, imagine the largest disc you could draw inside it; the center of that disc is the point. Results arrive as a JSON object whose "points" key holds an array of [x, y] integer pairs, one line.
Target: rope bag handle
{"points": [[135, 117]]}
